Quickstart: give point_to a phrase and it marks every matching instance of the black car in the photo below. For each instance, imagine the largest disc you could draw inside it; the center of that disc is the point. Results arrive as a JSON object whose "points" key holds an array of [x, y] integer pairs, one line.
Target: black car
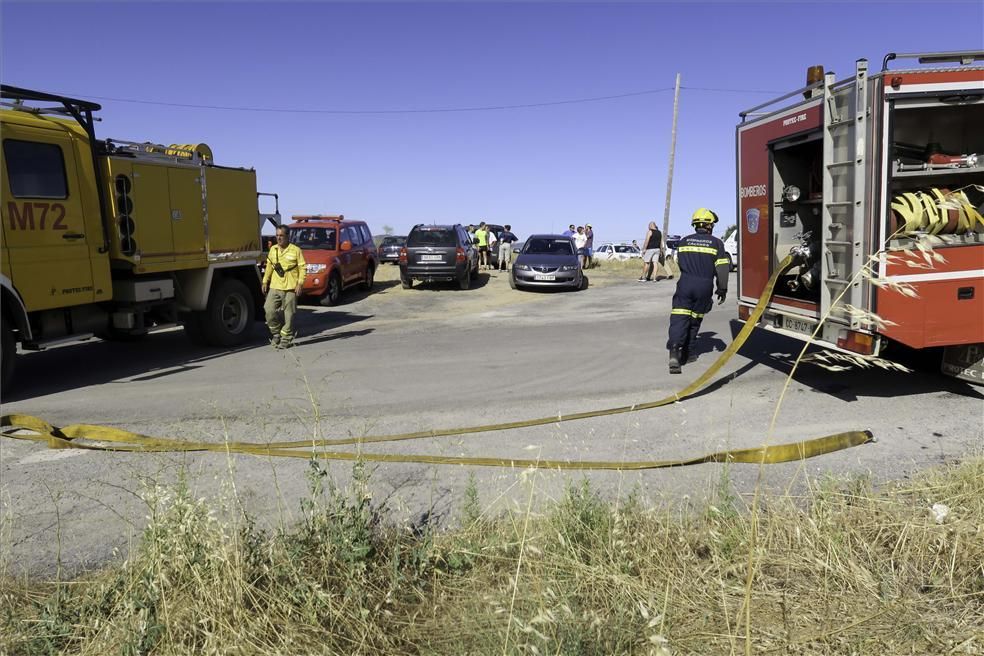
{"points": [[548, 261], [389, 248], [438, 252]]}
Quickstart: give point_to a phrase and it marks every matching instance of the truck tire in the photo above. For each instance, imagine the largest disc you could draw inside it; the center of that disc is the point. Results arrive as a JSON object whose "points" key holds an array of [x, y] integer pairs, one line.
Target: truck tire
{"points": [[8, 353], [228, 318], [464, 281], [370, 278]]}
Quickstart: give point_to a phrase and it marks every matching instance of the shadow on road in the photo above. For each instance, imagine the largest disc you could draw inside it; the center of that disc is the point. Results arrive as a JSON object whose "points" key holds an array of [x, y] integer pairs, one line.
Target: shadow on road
{"points": [[477, 282], [95, 362], [779, 352], [351, 295]]}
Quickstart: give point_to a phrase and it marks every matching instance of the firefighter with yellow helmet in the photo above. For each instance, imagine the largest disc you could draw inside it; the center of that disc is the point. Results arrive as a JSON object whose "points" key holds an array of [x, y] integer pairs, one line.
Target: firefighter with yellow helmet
{"points": [[702, 259]]}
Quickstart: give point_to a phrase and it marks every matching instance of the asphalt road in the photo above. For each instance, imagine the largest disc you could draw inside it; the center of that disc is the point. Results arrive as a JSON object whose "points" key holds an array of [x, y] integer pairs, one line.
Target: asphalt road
{"points": [[398, 360]]}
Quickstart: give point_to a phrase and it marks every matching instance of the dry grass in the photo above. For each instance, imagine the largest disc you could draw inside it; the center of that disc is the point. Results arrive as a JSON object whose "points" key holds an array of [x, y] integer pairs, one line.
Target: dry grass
{"points": [[848, 570], [629, 269]]}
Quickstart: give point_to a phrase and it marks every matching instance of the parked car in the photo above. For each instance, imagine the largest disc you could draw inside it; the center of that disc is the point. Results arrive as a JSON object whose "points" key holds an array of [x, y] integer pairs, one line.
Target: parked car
{"points": [[389, 248], [618, 252], [548, 261], [438, 252], [672, 241], [339, 254], [731, 246]]}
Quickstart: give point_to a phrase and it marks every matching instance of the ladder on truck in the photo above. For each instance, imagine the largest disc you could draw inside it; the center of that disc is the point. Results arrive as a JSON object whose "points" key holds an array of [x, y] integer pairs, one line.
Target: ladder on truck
{"points": [[845, 162]]}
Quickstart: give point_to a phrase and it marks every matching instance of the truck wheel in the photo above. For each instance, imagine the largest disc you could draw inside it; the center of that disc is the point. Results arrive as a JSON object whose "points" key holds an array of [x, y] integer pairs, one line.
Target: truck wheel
{"points": [[229, 316], [370, 278], [464, 282], [333, 292], [8, 353], [584, 283]]}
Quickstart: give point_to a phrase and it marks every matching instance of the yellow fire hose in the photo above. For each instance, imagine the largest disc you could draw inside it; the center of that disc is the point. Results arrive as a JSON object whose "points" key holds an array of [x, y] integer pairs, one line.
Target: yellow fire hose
{"points": [[104, 438]]}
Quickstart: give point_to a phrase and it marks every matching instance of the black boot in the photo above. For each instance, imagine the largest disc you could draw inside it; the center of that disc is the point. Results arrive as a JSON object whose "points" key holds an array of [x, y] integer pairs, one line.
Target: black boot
{"points": [[675, 357]]}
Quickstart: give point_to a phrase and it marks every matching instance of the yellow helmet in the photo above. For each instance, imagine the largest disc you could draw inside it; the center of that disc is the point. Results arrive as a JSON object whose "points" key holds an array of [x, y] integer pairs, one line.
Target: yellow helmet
{"points": [[704, 217]]}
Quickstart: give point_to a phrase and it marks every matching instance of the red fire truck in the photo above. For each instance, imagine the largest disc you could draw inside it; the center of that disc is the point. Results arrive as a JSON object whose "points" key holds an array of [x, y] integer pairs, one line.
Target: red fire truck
{"points": [[875, 183]]}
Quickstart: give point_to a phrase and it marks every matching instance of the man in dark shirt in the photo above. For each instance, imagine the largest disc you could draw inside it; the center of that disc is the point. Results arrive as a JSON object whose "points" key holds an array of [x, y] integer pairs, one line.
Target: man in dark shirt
{"points": [[651, 256], [702, 259], [506, 240]]}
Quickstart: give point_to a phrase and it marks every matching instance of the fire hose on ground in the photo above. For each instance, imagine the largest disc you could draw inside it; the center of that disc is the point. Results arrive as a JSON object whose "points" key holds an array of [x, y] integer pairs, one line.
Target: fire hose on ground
{"points": [[105, 438]]}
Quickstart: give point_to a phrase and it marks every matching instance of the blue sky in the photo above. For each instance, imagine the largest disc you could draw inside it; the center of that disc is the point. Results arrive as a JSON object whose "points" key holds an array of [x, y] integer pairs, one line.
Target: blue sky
{"points": [[538, 168]]}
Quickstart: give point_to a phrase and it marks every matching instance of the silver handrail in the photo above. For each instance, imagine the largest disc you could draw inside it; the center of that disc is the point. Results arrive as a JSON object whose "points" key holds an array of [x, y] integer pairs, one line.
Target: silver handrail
{"points": [[962, 57], [809, 87]]}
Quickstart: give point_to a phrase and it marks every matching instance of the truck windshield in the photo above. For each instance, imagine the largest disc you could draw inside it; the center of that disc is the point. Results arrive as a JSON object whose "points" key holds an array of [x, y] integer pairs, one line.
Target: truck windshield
{"points": [[309, 238]]}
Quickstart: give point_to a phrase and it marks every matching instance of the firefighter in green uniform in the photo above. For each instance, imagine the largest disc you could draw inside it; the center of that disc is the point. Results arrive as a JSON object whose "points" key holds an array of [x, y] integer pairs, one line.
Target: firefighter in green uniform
{"points": [[282, 284]]}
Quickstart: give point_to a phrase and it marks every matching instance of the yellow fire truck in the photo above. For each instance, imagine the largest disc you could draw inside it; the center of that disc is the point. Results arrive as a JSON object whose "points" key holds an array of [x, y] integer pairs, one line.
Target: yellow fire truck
{"points": [[115, 239]]}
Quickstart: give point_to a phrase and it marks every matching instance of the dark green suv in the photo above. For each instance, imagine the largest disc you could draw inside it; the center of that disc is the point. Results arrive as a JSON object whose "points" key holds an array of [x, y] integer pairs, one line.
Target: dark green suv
{"points": [[438, 252]]}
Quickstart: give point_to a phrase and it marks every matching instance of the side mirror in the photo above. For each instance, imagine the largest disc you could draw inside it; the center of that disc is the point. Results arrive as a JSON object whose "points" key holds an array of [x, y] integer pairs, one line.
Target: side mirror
{"points": [[346, 246]]}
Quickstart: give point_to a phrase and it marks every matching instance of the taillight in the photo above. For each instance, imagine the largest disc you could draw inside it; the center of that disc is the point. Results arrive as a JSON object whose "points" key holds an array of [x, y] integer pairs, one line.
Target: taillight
{"points": [[403, 256], [459, 254], [856, 342]]}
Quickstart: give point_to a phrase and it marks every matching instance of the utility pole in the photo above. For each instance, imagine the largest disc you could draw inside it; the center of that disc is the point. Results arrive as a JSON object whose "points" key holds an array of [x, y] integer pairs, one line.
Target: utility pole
{"points": [[669, 175]]}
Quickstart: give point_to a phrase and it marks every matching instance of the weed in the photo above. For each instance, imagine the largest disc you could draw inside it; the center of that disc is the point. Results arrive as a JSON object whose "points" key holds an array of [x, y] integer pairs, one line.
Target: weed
{"points": [[850, 570]]}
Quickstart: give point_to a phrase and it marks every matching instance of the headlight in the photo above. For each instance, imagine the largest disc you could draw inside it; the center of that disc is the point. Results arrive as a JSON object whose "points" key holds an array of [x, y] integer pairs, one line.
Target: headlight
{"points": [[791, 193], [569, 267], [521, 267], [316, 268]]}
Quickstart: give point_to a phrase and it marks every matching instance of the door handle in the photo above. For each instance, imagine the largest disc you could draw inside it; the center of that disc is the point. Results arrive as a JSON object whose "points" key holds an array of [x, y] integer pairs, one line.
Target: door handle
{"points": [[73, 235]]}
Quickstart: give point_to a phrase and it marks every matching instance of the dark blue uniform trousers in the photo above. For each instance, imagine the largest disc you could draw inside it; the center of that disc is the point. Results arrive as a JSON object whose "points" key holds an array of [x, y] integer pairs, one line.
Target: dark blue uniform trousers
{"points": [[691, 301]]}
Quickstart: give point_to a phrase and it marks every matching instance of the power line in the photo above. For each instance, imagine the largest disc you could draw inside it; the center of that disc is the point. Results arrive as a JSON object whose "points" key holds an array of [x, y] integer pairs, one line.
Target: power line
{"points": [[434, 110]]}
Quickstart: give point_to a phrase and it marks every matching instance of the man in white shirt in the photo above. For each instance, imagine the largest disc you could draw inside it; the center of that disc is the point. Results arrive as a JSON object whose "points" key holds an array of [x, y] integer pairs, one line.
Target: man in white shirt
{"points": [[580, 243]]}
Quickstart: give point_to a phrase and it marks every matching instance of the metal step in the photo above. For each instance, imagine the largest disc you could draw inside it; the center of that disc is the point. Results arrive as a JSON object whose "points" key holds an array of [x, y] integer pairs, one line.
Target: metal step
{"points": [[48, 343]]}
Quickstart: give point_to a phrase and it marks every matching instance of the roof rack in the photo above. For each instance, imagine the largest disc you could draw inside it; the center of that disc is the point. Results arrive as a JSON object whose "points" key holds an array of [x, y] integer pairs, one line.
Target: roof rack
{"points": [[304, 218], [80, 110]]}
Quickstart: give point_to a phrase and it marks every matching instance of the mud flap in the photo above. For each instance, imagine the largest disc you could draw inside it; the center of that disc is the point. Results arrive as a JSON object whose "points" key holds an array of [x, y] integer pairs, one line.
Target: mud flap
{"points": [[965, 362]]}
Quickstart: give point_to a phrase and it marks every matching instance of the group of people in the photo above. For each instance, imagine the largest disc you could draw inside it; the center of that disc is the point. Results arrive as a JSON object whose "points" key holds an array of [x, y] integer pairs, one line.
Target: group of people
{"points": [[701, 257], [583, 237], [488, 241]]}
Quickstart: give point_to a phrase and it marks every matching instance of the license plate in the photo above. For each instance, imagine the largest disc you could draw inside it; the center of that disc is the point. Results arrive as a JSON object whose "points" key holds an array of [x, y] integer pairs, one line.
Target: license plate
{"points": [[964, 362], [798, 325], [431, 258], [543, 277]]}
